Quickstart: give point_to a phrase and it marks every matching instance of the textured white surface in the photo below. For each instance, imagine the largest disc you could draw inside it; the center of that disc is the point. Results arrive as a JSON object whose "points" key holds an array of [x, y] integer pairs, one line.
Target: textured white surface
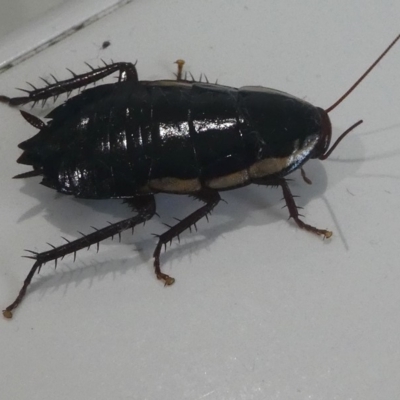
{"points": [[260, 309], [50, 27], [17, 13]]}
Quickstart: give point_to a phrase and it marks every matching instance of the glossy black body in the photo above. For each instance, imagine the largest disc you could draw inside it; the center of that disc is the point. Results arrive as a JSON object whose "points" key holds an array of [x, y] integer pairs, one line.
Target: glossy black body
{"points": [[111, 140]]}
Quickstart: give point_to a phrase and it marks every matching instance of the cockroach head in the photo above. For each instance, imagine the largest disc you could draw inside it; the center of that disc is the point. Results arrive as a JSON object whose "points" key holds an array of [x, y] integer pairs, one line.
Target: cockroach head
{"points": [[322, 150], [325, 135]]}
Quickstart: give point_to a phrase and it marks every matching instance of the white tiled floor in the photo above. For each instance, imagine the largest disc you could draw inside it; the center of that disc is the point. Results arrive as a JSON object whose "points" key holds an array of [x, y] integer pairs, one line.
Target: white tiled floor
{"points": [[260, 310]]}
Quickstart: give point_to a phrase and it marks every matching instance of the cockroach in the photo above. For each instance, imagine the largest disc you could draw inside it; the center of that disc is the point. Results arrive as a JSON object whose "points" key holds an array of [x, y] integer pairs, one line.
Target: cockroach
{"points": [[133, 139]]}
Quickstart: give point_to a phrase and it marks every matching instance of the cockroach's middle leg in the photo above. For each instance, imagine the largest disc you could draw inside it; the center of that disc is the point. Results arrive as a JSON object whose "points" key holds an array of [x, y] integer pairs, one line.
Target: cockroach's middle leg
{"points": [[127, 71], [146, 209], [211, 198], [292, 207]]}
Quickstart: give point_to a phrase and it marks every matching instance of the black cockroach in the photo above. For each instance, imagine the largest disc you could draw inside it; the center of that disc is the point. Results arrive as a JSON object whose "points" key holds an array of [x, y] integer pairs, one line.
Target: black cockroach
{"points": [[134, 139]]}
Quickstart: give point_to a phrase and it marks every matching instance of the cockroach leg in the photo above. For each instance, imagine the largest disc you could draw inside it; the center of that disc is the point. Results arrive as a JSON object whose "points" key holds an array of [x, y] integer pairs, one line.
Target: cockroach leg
{"points": [[211, 198], [145, 213], [127, 72], [291, 205], [304, 176], [293, 211]]}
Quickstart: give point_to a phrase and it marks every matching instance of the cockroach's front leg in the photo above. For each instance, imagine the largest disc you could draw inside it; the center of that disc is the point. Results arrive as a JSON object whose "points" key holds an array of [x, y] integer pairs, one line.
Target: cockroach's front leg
{"points": [[293, 211], [211, 198], [292, 207], [127, 71], [145, 207]]}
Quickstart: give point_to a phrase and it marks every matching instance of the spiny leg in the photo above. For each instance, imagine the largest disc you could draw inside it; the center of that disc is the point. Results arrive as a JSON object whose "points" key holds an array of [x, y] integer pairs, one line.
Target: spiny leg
{"points": [[293, 212], [146, 209], [127, 71], [292, 207], [211, 198]]}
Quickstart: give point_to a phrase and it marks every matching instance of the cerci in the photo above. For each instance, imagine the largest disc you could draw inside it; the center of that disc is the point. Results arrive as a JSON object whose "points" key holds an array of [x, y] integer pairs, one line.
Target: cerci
{"points": [[133, 139]]}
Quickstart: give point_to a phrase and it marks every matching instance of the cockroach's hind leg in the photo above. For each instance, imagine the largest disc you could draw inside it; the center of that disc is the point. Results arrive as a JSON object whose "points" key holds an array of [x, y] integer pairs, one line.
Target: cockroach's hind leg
{"points": [[145, 212], [180, 64], [211, 198], [8, 312], [127, 71]]}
